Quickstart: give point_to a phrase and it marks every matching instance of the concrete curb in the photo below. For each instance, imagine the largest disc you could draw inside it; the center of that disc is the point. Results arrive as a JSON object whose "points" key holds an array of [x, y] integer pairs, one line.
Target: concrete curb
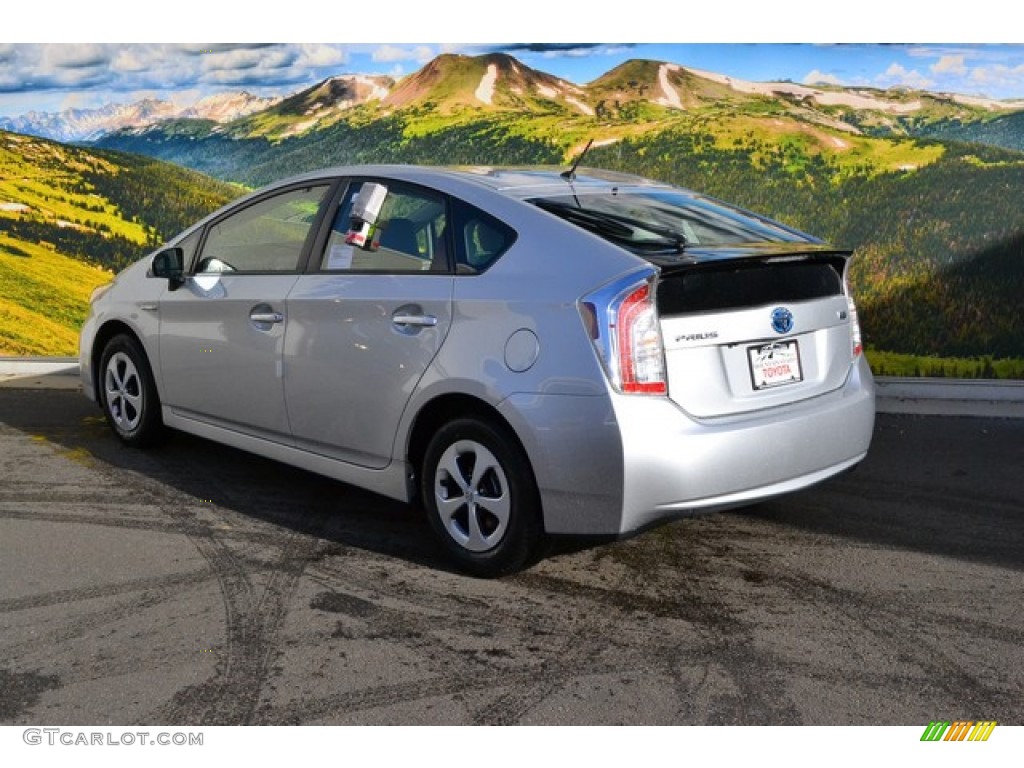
{"points": [[951, 397], [939, 397], [39, 373]]}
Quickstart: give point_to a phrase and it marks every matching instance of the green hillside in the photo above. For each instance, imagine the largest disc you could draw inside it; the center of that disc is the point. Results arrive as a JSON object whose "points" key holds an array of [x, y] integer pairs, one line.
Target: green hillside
{"points": [[998, 130], [69, 219], [43, 298], [939, 263], [936, 223]]}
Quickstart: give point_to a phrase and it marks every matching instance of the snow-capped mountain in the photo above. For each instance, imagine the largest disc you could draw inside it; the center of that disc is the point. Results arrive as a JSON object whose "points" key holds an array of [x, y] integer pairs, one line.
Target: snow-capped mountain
{"points": [[225, 107], [91, 124]]}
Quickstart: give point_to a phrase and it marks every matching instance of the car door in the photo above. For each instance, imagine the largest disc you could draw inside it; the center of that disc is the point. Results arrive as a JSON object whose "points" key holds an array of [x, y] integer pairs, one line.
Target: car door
{"points": [[222, 331], [365, 322]]}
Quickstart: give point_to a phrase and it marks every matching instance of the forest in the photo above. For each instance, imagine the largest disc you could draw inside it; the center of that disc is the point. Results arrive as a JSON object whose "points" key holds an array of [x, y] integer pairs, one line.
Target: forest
{"points": [[938, 269], [936, 225]]}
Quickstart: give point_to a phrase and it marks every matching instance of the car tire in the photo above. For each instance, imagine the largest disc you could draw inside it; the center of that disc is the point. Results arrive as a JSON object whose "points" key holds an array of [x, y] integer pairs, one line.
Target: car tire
{"points": [[481, 497], [128, 393]]}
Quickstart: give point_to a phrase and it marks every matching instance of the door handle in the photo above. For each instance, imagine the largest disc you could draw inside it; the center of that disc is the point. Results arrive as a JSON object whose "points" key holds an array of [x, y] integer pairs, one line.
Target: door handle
{"points": [[266, 317], [421, 321]]}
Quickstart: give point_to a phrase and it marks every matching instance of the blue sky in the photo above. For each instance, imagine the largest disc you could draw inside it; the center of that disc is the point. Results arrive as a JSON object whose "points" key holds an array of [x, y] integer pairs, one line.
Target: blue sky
{"points": [[47, 77], [752, 41]]}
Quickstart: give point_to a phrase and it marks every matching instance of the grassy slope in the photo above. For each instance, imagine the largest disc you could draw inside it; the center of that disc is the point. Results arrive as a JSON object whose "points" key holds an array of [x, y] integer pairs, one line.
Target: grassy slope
{"points": [[64, 212], [46, 176], [909, 206], [43, 299]]}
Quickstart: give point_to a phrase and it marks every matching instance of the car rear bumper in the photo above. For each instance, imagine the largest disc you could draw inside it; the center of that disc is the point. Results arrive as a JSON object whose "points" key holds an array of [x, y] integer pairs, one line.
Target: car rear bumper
{"points": [[675, 464]]}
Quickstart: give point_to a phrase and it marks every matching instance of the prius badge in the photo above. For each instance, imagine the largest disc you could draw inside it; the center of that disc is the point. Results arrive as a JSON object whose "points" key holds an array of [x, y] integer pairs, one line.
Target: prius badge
{"points": [[782, 320]]}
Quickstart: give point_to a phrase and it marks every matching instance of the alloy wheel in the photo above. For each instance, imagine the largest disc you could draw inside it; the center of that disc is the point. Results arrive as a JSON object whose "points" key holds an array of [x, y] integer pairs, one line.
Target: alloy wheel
{"points": [[124, 392], [472, 494]]}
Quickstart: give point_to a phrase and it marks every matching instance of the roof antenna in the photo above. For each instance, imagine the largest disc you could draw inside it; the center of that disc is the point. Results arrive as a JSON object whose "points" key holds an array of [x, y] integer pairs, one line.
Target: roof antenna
{"points": [[570, 175]]}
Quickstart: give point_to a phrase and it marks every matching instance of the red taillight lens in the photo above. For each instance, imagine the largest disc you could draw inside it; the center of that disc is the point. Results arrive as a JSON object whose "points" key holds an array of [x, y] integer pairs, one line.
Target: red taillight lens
{"points": [[621, 319], [641, 359], [857, 342]]}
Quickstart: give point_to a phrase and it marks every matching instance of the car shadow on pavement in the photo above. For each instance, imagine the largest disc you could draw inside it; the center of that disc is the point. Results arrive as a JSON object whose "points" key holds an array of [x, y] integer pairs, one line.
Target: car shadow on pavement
{"points": [[188, 471], [943, 486]]}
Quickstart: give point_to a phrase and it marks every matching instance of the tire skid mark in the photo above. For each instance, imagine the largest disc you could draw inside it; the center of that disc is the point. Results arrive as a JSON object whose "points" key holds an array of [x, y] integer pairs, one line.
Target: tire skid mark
{"points": [[70, 494], [516, 690], [940, 671], [573, 656], [608, 625], [78, 627], [434, 611], [730, 644], [612, 626], [231, 696], [188, 526], [683, 570], [418, 632], [201, 704], [102, 590], [885, 619], [377, 697], [533, 617], [422, 630]]}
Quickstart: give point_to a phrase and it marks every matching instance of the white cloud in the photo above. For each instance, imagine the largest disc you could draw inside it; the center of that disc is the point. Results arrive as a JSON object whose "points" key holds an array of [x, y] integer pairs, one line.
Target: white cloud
{"points": [[318, 55], [247, 59], [1000, 76], [131, 60], [75, 56], [949, 65], [387, 53], [897, 74], [815, 77]]}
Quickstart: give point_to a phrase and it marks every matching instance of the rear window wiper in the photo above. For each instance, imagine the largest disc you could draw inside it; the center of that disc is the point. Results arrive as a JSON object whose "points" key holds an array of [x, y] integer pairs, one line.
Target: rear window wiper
{"points": [[617, 228]]}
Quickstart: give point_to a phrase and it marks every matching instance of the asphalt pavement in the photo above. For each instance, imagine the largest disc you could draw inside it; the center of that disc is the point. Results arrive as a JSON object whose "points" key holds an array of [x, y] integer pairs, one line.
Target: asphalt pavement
{"points": [[198, 585]]}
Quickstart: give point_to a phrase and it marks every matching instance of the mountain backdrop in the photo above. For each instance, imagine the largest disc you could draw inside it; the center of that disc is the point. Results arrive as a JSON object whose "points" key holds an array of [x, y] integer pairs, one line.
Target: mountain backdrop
{"points": [[924, 185]]}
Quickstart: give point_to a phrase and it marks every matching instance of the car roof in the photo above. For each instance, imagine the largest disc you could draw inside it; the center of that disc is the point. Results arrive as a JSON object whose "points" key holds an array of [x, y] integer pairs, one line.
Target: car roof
{"points": [[515, 182]]}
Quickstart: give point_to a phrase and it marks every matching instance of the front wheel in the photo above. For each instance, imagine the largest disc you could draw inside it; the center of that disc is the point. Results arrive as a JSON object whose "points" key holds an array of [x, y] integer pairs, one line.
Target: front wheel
{"points": [[481, 497], [130, 400]]}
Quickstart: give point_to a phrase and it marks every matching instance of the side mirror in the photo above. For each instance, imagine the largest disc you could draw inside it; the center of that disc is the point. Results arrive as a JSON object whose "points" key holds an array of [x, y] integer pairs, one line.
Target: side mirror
{"points": [[169, 264]]}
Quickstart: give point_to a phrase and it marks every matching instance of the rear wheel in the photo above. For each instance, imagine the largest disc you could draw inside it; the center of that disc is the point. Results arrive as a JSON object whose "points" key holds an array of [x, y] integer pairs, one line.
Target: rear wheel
{"points": [[481, 497], [129, 398]]}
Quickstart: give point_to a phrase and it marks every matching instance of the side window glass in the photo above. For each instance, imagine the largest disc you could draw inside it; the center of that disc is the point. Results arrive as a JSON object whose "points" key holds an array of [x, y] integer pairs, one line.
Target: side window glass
{"points": [[403, 229], [267, 236], [481, 239]]}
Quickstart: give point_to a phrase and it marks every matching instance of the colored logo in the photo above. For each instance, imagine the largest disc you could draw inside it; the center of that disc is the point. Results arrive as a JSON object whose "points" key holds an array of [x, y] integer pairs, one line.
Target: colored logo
{"points": [[959, 730], [782, 320]]}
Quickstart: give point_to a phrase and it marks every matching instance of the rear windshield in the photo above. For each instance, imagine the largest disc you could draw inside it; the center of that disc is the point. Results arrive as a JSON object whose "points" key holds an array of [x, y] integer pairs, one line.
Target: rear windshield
{"points": [[665, 221]]}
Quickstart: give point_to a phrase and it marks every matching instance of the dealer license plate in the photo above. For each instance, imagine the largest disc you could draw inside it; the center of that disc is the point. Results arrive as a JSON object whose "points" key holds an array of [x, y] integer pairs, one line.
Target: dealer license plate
{"points": [[775, 364]]}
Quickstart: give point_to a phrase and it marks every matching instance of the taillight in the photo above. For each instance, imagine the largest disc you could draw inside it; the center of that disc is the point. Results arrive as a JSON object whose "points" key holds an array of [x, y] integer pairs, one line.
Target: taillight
{"points": [[858, 344], [641, 357], [623, 325]]}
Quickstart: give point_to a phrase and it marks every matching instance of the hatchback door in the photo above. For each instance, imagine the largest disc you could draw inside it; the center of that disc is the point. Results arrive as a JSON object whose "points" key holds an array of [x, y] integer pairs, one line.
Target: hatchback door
{"points": [[745, 334], [367, 321]]}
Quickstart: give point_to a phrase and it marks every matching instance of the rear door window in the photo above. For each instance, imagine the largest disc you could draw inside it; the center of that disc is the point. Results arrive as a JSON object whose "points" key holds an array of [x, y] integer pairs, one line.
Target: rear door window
{"points": [[408, 232]]}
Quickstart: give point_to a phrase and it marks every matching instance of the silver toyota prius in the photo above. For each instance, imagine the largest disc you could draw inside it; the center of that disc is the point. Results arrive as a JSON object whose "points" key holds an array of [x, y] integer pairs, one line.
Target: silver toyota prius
{"points": [[523, 352]]}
